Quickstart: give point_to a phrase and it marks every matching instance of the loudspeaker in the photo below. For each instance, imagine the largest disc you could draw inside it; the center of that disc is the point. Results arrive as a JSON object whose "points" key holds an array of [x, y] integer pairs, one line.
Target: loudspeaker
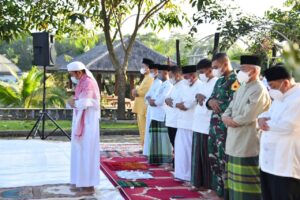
{"points": [[44, 53]]}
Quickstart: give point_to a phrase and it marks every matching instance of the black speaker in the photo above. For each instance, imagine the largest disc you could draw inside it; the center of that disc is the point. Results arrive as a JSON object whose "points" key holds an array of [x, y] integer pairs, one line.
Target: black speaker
{"points": [[44, 53]]}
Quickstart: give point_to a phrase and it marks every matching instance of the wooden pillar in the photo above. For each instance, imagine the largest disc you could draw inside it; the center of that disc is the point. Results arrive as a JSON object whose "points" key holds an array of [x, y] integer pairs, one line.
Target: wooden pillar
{"points": [[132, 86], [98, 79], [70, 84]]}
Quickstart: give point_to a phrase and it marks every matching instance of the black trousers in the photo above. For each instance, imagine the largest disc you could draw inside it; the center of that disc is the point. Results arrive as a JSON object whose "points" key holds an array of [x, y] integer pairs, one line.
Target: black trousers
{"points": [[279, 188], [172, 135]]}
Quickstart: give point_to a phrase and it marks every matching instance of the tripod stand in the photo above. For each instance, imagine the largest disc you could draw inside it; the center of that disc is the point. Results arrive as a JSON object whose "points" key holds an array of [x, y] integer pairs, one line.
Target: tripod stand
{"points": [[41, 120]]}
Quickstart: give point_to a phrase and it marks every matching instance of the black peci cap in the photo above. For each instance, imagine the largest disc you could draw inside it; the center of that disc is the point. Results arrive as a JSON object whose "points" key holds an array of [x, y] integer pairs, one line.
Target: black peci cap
{"points": [[147, 61], [277, 73], [189, 69], [250, 60]]}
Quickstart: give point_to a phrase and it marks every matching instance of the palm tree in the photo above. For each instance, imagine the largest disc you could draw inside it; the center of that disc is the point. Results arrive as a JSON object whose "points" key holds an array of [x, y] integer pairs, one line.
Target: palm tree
{"points": [[27, 92]]}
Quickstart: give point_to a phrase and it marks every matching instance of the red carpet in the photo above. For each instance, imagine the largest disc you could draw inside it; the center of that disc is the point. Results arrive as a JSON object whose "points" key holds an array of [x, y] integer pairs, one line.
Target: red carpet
{"points": [[115, 166], [163, 186]]}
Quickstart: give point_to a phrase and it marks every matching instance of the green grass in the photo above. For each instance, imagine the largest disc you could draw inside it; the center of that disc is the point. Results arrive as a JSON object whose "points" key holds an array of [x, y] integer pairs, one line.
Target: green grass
{"points": [[15, 125]]}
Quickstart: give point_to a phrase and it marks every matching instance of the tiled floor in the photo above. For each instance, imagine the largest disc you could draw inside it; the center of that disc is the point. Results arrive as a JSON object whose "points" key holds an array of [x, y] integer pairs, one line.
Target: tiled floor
{"points": [[36, 169]]}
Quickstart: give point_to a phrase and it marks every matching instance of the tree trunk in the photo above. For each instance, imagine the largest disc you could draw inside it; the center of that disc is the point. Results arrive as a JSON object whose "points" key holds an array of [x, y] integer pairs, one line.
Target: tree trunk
{"points": [[121, 82]]}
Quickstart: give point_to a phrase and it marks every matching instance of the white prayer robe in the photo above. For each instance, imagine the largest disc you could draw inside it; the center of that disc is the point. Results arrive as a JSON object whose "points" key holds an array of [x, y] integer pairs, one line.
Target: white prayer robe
{"points": [[85, 149], [172, 112], [184, 134], [153, 89], [280, 146], [201, 119], [158, 112]]}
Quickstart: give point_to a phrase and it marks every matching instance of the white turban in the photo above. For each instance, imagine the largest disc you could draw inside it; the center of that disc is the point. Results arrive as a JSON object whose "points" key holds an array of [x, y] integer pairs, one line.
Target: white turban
{"points": [[78, 66]]}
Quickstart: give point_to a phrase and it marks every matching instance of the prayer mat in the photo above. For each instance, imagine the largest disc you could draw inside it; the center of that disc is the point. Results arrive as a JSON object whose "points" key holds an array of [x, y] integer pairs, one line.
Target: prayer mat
{"points": [[161, 186], [113, 154], [131, 184], [115, 166]]}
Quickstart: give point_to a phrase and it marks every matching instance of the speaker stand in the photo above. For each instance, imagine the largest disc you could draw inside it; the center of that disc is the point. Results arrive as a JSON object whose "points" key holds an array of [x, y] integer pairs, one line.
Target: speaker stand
{"points": [[42, 118]]}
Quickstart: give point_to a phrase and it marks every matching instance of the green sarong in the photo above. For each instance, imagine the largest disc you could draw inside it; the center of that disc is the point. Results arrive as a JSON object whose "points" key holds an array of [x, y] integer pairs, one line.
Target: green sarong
{"points": [[242, 179]]}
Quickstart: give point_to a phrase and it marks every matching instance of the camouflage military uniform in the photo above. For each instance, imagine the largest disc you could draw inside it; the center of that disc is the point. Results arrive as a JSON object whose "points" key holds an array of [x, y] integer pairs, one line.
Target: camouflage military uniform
{"points": [[223, 92]]}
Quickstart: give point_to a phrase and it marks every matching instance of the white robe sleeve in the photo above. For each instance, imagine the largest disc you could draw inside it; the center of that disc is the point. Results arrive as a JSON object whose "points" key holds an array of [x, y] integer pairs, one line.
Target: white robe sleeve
{"points": [[161, 97]]}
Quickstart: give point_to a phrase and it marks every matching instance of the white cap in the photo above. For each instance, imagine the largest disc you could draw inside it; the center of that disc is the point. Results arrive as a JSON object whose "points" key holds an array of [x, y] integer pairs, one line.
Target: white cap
{"points": [[75, 66]]}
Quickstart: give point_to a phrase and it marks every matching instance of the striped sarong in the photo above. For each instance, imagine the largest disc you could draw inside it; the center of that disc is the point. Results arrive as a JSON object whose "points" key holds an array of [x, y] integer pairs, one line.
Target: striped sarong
{"points": [[201, 171], [160, 146], [242, 179]]}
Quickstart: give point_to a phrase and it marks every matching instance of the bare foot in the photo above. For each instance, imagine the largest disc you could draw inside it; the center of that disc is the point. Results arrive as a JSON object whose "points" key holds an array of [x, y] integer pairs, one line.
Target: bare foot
{"points": [[193, 188], [73, 188], [86, 191]]}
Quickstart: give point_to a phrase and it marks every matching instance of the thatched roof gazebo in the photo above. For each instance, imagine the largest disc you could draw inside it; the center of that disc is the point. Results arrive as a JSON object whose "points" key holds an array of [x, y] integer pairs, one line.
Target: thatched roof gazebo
{"points": [[98, 59]]}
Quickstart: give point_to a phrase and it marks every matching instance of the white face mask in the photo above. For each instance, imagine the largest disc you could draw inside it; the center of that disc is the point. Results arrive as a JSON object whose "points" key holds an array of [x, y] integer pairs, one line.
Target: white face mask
{"points": [[152, 75], [217, 73], [172, 81], [186, 82], [203, 77], [243, 77], [74, 80], [142, 71], [276, 94]]}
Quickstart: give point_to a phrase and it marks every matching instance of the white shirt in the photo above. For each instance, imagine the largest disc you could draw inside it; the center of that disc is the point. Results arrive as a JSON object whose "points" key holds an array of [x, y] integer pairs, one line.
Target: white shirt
{"points": [[172, 112], [202, 115], [151, 92], [188, 93], [158, 112], [280, 146]]}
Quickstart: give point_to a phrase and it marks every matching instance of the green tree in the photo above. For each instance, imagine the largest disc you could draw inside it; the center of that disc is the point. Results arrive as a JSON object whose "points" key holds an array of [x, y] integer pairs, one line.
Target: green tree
{"points": [[260, 34], [107, 15], [27, 92]]}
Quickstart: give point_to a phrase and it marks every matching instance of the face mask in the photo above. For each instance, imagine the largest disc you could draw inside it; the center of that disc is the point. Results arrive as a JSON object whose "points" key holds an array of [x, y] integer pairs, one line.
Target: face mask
{"points": [[74, 80], [217, 72], [186, 82], [152, 75], [172, 81], [276, 94], [203, 77], [142, 71], [243, 77]]}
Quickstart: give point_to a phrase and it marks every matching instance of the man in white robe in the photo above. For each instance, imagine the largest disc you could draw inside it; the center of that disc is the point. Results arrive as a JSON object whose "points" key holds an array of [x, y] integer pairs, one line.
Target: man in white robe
{"points": [[154, 87], [160, 147], [184, 135], [279, 156], [201, 170], [171, 100], [85, 148]]}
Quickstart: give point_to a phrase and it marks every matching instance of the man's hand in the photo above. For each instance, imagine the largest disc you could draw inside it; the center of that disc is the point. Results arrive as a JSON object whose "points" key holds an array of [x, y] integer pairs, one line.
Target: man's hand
{"points": [[71, 102], [134, 93], [181, 106], [214, 104], [262, 123], [228, 121], [152, 102], [200, 99], [169, 102]]}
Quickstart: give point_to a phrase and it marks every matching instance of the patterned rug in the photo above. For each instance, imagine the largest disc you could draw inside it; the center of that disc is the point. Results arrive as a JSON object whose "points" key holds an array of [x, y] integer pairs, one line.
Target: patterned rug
{"points": [[111, 150], [162, 186]]}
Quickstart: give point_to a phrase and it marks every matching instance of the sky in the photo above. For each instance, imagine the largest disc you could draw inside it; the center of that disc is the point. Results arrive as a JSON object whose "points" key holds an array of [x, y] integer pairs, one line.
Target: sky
{"points": [[254, 7]]}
